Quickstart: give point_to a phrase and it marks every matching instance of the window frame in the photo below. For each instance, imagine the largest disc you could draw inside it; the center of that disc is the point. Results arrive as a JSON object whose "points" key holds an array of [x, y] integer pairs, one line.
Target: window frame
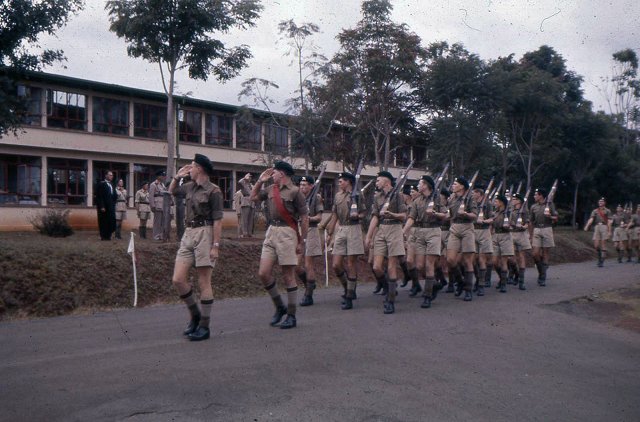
{"points": [[65, 120], [146, 132], [110, 125]]}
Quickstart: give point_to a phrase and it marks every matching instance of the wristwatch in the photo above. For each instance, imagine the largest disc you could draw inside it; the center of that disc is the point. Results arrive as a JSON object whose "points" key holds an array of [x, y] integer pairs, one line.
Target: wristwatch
{"points": [[216, 245]]}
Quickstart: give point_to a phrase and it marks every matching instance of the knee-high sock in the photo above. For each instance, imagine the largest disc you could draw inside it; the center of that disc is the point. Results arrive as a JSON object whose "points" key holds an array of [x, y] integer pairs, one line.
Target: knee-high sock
{"points": [[521, 275], [351, 288], [275, 295], [393, 286], [468, 280], [414, 277], [405, 269], [428, 287], [487, 277], [190, 300], [482, 275], [292, 294], [310, 287], [206, 306]]}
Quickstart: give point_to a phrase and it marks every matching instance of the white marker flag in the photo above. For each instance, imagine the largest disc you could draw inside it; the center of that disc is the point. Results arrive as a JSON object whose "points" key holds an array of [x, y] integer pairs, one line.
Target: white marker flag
{"points": [[131, 250]]}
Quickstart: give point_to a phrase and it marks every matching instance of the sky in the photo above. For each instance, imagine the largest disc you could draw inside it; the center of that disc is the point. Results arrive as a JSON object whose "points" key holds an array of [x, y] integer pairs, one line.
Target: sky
{"points": [[585, 32]]}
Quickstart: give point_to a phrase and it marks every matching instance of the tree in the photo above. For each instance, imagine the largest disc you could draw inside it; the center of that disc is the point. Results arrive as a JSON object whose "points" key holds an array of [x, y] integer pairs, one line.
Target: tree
{"points": [[376, 71], [21, 24], [179, 34]]}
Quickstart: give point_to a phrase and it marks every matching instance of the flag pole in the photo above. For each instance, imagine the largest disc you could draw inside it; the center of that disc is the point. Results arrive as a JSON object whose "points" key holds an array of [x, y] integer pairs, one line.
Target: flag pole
{"points": [[326, 260]]}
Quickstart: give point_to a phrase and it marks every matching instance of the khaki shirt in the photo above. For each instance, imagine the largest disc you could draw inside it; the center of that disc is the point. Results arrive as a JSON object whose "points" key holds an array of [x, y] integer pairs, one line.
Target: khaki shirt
{"points": [[245, 188], [454, 206], [237, 201], [487, 210], [396, 204], [342, 207], [318, 206], [635, 219], [597, 219], [498, 222], [538, 219], [155, 194], [620, 220], [293, 199], [204, 202], [142, 201], [121, 202], [418, 210], [522, 214]]}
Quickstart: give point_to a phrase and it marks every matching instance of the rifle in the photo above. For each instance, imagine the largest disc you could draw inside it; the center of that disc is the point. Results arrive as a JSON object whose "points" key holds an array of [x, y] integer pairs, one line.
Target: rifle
{"points": [[369, 183], [552, 193], [436, 188], [398, 187], [496, 191], [484, 199], [466, 195], [523, 206], [311, 199], [354, 190]]}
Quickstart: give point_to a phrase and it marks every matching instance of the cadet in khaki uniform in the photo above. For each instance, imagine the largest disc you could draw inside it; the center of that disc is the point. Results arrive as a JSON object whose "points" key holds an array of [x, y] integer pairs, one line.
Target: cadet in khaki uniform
{"points": [[247, 207], [313, 246], [502, 240], [461, 237], [386, 223], [156, 193], [542, 217], [634, 233], [237, 201], [121, 207], [601, 219], [344, 227], [282, 243], [410, 194], [425, 216], [519, 221], [143, 208], [200, 243], [484, 242], [442, 269], [620, 220]]}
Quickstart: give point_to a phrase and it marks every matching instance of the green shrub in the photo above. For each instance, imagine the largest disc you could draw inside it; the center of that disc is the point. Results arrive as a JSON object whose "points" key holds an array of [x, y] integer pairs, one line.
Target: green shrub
{"points": [[53, 222]]}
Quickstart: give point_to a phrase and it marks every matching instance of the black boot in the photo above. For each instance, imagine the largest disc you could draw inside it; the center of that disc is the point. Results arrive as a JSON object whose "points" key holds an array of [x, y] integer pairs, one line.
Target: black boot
{"points": [[193, 325], [480, 291], [389, 307], [426, 303], [415, 289], [307, 300], [200, 334], [347, 304], [277, 316], [290, 322], [468, 296]]}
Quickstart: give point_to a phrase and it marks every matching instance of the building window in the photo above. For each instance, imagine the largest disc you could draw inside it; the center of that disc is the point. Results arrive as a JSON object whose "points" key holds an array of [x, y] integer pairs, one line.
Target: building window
{"points": [[144, 173], [19, 180], [119, 170], [327, 189], [190, 126], [110, 116], [33, 106], [66, 110], [218, 130], [224, 180], [249, 135], [276, 139], [420, 155], [150, 121], [66, 182], [403, 156]]}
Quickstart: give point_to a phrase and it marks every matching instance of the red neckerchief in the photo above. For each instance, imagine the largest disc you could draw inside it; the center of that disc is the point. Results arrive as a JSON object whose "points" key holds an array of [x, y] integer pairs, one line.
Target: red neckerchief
{"points": [[282, 210], [603, 216]]}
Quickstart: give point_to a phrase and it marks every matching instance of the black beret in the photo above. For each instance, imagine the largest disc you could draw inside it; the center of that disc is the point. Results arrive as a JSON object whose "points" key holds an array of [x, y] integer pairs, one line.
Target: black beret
{"points": [[347, 176], [541, 192], [429, 180], [204, 162], [445, 192], [502, 199], [387, 175], [479, 188], [461, 180], [414, 187], [407, 189], [518, 196], [143, 183], [161, 173], [308, 179], [284, 167]]}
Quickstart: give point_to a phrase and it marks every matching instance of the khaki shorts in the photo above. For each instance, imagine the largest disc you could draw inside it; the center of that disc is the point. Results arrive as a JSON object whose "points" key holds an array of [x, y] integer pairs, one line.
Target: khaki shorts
{"points": [[633, 233], [620, 234], [462, 238], [502, 244], [411, 240], [388, 240], [484, 244], [445, 238], [121, 215], [543, 238], [521, 241], [348, 241], [313, 246], [280, 245], [195, 247], [144, 215], [428, 241], [600, 232]]}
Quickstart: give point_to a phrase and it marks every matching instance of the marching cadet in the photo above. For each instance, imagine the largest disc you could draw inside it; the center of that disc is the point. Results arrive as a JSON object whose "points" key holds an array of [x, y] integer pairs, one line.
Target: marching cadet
{"points": [[121, 207], [386, 223], [410, 194], [619, 225], [143, 209], [502, 240], [462, 212], [347, 236], [424, 217], [283, 242], [519, 221], [313, 246], [156, 193], [442, 269], [482, 231], [634, 233], [542, 217], [200, 243], [601, 219]]}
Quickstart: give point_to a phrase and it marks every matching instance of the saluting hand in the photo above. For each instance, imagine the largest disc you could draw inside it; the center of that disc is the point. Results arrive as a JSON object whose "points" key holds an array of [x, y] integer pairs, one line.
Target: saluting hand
{"points": [[184, 171], [266, 175]]}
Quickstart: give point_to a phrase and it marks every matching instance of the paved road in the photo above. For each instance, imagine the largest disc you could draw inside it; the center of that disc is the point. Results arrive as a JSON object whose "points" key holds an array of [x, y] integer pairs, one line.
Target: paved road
{"points": [[501, 357]]}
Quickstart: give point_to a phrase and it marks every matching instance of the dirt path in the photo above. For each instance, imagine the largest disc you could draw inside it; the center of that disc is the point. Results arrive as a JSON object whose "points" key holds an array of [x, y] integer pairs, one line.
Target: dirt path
{"points": [[503, 357]]}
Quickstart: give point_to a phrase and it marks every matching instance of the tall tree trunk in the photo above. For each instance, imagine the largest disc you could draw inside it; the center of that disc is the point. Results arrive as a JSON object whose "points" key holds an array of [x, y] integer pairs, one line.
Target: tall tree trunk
{"points": [[171, 127]]}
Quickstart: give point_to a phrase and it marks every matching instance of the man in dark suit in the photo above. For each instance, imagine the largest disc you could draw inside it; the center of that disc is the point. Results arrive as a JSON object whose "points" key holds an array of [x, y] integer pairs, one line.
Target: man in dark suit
{"points": [[106, 203]]}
